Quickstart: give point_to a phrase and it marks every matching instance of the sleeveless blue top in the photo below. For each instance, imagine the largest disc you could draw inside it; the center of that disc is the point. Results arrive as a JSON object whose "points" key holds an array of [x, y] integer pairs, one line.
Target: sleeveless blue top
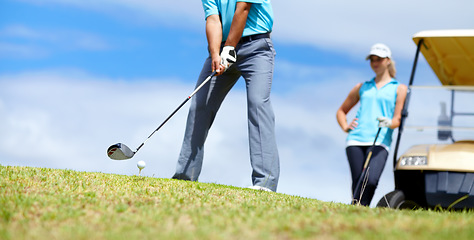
{"points": [[374, 103]]}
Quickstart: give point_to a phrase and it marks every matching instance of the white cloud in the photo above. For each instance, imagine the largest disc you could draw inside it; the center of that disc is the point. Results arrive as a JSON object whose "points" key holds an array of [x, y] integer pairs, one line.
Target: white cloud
{"points": [[182, 13], [352, 26], [20, 41], [16, 50], [67, 119], [20, 31]]}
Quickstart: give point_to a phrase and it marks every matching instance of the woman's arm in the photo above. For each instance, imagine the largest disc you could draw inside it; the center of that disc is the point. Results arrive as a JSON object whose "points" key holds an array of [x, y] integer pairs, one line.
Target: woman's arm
{"points": [[397, 114], [341, 115]]}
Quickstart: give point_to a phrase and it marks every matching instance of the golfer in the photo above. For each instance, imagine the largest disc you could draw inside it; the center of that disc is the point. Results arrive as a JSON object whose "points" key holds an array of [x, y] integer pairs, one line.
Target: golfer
{"points": [[238, 35], [381, 101]]}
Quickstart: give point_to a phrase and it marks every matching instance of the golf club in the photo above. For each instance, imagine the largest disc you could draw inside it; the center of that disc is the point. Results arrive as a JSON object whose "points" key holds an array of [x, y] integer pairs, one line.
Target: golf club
{"points": [[120, 151], [364, 170]]}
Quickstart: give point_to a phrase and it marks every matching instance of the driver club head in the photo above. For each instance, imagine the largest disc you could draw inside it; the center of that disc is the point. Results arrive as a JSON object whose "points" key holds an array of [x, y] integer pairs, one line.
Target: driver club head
{"points": [[119, 151]]}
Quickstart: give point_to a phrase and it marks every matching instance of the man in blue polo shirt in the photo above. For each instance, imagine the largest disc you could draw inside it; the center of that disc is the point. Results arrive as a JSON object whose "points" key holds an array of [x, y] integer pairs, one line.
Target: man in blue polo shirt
{"points": [[238, 35]]}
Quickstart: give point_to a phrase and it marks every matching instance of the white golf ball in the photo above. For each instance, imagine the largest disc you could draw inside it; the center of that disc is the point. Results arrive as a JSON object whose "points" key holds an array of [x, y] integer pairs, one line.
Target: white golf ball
{"points": [[141, 164]]}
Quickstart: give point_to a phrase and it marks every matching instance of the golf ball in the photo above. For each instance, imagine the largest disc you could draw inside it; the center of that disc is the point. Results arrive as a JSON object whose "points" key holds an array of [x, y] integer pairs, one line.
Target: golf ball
{"points": [[141, 164]]}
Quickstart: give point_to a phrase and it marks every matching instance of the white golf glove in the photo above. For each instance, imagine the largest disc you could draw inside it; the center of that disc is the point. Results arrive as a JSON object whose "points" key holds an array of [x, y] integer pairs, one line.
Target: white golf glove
{"points": [[384, 122], [228, 57]]}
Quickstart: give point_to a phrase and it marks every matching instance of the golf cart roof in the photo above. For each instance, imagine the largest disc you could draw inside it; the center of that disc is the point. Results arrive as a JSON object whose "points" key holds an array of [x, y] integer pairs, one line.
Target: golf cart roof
{"points": [[450, 53]]}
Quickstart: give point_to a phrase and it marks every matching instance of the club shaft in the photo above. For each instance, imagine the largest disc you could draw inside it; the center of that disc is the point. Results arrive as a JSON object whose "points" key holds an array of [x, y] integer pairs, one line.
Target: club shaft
{"points": [[366, 164], [178, 108], [367, 160]]}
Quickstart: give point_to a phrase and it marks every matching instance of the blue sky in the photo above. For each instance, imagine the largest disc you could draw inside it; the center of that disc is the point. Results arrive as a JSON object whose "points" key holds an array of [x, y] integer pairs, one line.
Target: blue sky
{"points": [[77, 76], [66, 37], [54, 35]]}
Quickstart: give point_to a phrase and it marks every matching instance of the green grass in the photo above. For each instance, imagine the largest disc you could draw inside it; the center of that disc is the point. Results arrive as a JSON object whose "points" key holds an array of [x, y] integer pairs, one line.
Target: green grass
{"points": [[41, 203]]}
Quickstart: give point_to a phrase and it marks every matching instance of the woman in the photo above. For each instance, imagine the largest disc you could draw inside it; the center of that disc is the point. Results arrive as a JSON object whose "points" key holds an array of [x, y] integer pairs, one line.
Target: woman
{"points": [[381, 101]]}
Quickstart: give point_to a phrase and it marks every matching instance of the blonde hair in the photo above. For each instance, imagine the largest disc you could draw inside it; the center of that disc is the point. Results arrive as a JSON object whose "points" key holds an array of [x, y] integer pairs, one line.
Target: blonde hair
{"points": [[391, 68]]}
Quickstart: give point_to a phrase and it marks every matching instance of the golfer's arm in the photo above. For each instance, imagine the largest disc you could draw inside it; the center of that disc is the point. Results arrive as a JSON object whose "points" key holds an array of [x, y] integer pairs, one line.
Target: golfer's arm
{"points": [[238, 23], [214, 34]]}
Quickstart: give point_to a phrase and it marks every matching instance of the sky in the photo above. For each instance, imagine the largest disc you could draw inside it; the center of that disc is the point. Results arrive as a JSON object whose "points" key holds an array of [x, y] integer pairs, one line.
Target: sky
{"points": [[77, 76]]}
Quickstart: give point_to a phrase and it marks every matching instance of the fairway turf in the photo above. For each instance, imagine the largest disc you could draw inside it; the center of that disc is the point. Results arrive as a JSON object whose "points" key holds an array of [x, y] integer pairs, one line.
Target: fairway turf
{"points": [[41, 203]]}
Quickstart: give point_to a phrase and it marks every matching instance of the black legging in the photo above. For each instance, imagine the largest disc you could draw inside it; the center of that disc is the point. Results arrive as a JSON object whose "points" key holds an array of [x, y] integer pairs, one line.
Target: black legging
{"points": [[356, 156]]}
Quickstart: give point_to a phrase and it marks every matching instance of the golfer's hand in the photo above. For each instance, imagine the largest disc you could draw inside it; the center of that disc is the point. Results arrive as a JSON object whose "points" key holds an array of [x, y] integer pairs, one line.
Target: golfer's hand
{"points": [[384, 122], [228, 57]]}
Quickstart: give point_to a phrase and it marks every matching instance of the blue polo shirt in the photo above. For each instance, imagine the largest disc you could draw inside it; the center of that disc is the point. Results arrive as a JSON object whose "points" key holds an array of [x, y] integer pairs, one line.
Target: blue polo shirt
{"points": [[259, 20], [374, 103]]}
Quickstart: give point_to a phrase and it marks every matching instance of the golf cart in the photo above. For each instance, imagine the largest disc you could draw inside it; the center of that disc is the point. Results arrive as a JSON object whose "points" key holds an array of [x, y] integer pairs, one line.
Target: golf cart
{"points": [[440, 172]]}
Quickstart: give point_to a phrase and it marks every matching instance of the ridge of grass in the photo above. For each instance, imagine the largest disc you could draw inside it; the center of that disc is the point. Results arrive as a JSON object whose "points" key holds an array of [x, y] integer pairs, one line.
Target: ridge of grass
{"points": [[42, 203]]}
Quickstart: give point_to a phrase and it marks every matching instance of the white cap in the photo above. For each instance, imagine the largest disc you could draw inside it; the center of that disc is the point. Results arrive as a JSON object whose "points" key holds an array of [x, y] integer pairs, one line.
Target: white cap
{"points": [[381, 50]]}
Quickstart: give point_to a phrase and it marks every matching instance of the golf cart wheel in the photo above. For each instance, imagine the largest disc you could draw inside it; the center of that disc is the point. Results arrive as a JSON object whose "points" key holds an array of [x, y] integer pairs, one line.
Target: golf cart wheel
{"points": [[396, 200]]}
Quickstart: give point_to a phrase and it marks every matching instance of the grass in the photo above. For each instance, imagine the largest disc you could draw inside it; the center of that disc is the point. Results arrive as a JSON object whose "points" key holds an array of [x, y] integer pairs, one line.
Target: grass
{"points": [[41, 203]]}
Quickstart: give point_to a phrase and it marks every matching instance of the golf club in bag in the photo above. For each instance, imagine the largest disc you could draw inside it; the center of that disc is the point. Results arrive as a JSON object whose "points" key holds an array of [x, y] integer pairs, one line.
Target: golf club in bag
{"points": [[364, 170], [120, 151]]}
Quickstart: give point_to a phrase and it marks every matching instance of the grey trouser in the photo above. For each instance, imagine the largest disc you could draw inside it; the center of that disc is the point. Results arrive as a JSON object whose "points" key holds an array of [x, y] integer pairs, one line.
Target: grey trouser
{"points": [[255, 61]]}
